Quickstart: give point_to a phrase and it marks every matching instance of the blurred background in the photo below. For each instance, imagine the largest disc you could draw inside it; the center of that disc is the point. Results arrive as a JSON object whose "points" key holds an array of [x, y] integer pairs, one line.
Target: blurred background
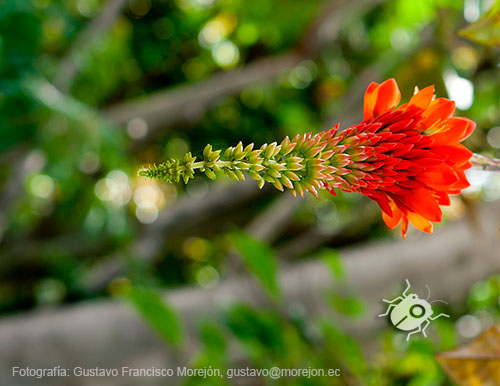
{"points": [[101, 268]]}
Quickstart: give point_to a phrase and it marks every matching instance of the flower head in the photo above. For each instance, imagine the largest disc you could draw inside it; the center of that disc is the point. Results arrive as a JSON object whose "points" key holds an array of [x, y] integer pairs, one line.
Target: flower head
{"points": [[408, 158], [415, 159]]}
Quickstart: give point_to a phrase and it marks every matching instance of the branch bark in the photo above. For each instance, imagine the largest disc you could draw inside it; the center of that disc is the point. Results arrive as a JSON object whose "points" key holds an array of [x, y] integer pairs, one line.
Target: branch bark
{"points": [[23, 163], [108, 334], [362, 220], [483, 162]]}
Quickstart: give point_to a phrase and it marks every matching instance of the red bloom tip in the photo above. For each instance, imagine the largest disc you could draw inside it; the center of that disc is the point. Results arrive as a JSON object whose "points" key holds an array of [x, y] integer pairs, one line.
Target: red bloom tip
{"points": [[380, 98], [412, 156]]}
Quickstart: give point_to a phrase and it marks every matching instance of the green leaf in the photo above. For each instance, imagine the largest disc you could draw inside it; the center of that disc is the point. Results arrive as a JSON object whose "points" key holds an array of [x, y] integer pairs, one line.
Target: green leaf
{"points": [[332, 260], [347, 305], [261, 331], [342, 345], [487, 29], [157, 313], [259, 259], [212, 338]]}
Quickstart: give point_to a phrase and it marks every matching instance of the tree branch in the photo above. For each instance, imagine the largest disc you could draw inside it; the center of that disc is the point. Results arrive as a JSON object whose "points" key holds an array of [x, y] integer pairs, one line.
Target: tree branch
{"points": [[361, 222], [23, 164], [483, 162]]}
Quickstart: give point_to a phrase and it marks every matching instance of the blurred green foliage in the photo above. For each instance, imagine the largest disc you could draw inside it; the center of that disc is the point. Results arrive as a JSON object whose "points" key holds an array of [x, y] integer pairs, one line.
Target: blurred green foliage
{"points": [[70, 201], [487, 29], [154, 309], [260, 260], [290, 338]]}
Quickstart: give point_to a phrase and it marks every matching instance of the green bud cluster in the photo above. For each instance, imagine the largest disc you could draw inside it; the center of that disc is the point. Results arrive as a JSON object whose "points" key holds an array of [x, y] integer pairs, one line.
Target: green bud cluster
{"points": [[305, 163]]}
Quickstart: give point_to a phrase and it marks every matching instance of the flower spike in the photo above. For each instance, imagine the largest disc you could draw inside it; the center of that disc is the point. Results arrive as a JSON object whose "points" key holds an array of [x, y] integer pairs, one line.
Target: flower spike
{"points": [[408, 159]]}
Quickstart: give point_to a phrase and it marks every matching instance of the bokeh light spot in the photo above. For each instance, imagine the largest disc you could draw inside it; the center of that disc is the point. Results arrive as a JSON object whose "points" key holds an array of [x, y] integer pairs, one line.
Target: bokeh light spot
{"points": [[176, 147], [226, 54], [247, 34], [137, 128], [465, 58], [114, 188], [472, 10], [50, 291], [207, 277], [493, 137], [87, 8], [89, 162], [459, 89], [212, 33], [197, 249], [42, 186], [147, 214], [468, 326], [400, 39], [139, 7]]}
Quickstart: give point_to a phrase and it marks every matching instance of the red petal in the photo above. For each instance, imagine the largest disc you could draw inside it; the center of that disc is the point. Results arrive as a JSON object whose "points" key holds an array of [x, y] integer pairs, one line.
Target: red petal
{"points": [[462, 182], [384, 203], [428, 162], [422, 202], [370, 100], [455, 129], [400, 125], [466, 165], [420, 222], [440, 108], [417, 153], [392, 221], [411, 184], [402, 149], [440, 177], [443, 198], [404, 164], [470, 128], [453, 154], [422, 98], [381, 98], [404, 227]]}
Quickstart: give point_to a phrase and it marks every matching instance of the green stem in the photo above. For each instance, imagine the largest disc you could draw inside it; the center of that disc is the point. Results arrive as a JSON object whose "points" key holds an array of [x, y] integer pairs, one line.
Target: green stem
{"points": [[294, 165], [221, 164]]}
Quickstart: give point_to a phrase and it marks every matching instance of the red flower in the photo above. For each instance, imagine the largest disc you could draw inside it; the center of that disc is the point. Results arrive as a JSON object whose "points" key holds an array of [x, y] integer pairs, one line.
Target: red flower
{"points": [[408, 158]]}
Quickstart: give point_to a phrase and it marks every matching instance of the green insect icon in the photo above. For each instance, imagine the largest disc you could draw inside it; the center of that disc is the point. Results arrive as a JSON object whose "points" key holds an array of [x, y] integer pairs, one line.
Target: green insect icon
{"points": [[410, 313]]}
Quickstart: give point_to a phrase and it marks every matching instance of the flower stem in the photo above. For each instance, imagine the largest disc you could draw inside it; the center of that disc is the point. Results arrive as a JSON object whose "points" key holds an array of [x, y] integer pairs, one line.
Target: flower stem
{"points": [[303, 164], [482, 162]]}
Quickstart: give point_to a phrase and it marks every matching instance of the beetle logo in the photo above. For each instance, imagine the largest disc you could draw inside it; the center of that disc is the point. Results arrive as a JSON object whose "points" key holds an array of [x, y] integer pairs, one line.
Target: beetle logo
{"points": [[410, 313]]}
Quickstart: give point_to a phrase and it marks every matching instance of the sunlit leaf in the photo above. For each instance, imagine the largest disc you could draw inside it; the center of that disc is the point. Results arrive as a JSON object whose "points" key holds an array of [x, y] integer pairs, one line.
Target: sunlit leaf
{"points": [[487, 29], [259, 259], [157, 313], [476, 363], [347, 305], [212, 338], [332, 260]]}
